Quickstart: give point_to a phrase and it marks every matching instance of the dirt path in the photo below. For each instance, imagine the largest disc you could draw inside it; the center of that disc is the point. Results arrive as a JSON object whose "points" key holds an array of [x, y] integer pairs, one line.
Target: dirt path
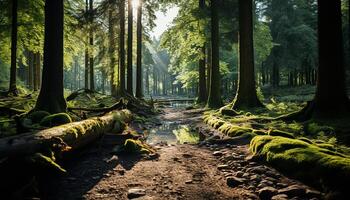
{"points": [[181, 172]]}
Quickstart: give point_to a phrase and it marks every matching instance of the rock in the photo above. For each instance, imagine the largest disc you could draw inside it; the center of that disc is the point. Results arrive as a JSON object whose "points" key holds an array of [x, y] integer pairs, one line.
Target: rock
{"points": [[188, 181], [239, 174], [234, 181], [313, 194], [255, 178], [186, 155], [293, 190], [280, 197], [136, 192], [267, 192], [217, 153], [221, 167]]}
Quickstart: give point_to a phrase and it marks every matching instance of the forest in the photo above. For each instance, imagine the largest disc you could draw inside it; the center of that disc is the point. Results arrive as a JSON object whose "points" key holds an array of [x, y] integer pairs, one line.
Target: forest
{"points": [[175, 99]]}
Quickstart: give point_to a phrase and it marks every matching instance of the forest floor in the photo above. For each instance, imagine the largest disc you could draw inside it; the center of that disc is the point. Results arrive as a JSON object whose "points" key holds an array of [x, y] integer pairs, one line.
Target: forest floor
{"points": [[182, 171]]}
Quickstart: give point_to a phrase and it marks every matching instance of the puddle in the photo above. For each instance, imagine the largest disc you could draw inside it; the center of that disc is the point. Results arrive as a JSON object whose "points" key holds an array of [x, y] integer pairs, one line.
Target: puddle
{"points": [[173, 132]]}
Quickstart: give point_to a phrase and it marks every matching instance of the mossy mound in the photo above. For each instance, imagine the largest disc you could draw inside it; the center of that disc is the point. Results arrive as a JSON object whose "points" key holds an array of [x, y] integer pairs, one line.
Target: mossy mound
{"points": [[314, 129], [298, 158], [232, 130], [136, 147], [37, 116], [274, 132], [56, 119]]}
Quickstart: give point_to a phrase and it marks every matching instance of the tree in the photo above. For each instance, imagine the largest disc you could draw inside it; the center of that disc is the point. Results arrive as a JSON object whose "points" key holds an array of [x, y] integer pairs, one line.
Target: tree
{"points": [[331, 100], [246, 96], [214, 97], [129, 58], [51, 97], [202, 89], [111, 50], [13, 71], [122, 46], [86, 80], [92, 82], [139, 93]]}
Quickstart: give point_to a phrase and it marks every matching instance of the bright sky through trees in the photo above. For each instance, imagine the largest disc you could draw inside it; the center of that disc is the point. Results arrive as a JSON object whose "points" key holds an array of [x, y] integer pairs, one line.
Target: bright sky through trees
{"points": [[164, 20]]}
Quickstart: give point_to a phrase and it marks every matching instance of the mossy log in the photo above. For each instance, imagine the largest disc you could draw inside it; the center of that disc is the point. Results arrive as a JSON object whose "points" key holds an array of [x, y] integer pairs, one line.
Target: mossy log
{"points": [[75, 135], [120, 105]]}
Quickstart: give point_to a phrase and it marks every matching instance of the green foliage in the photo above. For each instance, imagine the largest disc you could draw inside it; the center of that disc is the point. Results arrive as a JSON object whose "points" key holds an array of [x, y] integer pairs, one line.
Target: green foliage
{"points": [[56, 119], [299, 158]]}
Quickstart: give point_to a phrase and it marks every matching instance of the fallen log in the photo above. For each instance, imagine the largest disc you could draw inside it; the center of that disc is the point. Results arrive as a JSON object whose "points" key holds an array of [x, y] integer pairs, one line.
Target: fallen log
{"points": [[75, 135], [120, 105]]}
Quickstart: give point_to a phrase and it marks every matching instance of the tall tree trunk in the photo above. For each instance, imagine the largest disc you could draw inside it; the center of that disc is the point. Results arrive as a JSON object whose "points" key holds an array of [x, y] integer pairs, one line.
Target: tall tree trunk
{"points": [[111, 52], [202, 87], [86, 79], [13, 70], [246, 96], [122, 47], [35, 72], [130, 40], [92, 82], [30, 58], [214, 98], [331, 97], [147, 80], [139, 93], [51, 97], [208, 68]]}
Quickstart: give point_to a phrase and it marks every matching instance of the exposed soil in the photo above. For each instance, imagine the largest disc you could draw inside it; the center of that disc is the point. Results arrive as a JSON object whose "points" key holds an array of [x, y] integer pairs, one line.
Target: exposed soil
{"points": [[180, 172]]}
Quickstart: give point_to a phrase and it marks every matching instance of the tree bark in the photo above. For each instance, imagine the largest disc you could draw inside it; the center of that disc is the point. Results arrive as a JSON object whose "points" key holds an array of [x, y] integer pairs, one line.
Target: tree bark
{"points": [[112, 62], [122, 47], [139, 92], [91, 61], [13, 70], [51, 97], [86, 79], [30, 58], [202, 87], [130, 40], [331, 98], [214, 98], [246, 96]]}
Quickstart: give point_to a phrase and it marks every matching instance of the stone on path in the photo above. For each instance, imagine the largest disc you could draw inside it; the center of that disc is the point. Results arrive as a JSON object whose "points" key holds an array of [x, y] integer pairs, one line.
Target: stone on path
{"points": [[267, 192], [234, 181], [280, 197], [136, 192], [293, 190]]}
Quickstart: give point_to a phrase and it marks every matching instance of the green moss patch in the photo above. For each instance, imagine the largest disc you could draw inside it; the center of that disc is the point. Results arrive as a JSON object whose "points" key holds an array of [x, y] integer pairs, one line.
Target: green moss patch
{"points": [[298, 158], [136, 147], [56, 119], [273, 132]]}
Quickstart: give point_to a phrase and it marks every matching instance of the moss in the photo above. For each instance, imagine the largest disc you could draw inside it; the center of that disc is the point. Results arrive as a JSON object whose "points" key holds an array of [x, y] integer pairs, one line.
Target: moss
{"points": [[229, 112], [46, 162], [185, 135], [273, 132], [56, 119], [298, 158], [307, 140], [314, 129], [259, 132], [137, 147], [37, 116]]}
